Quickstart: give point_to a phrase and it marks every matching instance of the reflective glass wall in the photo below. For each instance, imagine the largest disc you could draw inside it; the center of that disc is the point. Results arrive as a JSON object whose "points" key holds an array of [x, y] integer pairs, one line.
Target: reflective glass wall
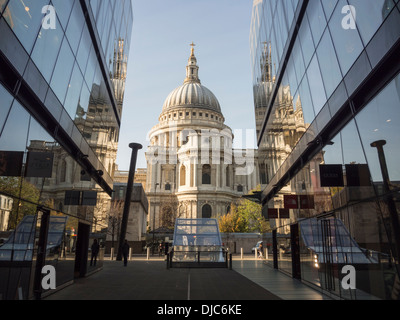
{"points": [[323, 117], [61, 93]]}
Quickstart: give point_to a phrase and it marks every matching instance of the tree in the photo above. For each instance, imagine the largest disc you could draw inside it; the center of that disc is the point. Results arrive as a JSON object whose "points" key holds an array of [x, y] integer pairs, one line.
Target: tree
{"points": [[26, 191], [245, 216], [232, 222], [115, 219]]}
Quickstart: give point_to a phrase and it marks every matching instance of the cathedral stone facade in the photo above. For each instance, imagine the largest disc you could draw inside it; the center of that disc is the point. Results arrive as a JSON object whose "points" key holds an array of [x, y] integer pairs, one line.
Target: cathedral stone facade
{"points": [[192, 170]]}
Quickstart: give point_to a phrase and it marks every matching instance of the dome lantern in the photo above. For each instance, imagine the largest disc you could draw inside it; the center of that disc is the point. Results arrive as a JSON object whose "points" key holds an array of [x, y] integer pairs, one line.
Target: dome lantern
{"points": [[192, 93]]}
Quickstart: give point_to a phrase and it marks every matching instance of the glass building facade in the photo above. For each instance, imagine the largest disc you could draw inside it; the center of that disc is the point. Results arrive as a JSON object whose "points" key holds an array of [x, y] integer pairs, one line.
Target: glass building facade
{"points": [[327, 106], [63, 68]]}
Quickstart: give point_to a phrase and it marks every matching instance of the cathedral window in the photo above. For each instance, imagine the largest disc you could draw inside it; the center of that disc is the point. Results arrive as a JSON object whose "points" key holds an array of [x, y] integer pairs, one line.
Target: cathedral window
{"points": [[182, 178], [206, 174], [206, 211]]}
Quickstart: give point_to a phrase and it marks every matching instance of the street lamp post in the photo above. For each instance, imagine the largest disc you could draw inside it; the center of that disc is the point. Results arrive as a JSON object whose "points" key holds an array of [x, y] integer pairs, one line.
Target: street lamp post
{"points": [[388, 197], [135, 148], [154, 215]]}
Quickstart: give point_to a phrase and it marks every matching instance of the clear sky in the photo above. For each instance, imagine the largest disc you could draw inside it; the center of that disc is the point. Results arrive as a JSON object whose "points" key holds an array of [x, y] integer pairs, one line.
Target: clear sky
{"points": [[162, 33]]}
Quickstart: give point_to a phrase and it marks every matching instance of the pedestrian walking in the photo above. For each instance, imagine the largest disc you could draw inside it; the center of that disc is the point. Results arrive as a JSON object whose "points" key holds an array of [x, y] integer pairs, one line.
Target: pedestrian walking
{"points": [[125, 252], [95, 251], [260, 251], [160, 249]]}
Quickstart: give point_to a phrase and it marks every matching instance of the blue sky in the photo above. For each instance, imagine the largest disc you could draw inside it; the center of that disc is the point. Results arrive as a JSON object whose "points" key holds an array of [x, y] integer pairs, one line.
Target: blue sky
{"points": [[160, 48]]}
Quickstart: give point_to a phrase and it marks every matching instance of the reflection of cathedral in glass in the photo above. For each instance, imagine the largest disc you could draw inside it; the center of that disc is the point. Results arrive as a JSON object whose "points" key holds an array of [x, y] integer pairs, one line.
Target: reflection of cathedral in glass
{"points": [[327, 121], [99, 127], [286, 123]]}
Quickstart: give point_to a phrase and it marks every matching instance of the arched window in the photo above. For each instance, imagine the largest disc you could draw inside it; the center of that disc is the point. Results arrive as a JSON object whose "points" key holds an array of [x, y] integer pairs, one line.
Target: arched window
{"points": [[240, 188], [206, 212], [228, 180], [182, 176], [206, 174]]}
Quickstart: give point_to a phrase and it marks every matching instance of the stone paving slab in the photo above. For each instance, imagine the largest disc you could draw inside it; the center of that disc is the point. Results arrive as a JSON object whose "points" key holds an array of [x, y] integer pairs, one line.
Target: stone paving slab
{"points": [[151, 280]]}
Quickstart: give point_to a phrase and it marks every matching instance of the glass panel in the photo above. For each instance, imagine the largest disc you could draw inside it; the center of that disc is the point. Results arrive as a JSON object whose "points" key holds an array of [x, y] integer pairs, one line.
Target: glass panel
{"points": [[84, 49], [14, 135], [307, 43], [63, 10], [6, 100], [329, 65], [316, 85], [284, 249], [62, 72], [317, 20], [74, 91], [352, 150], [2, 5], [329, 6], [303, 101], [379, 120], [369, 17], [385, 38], [46, 50], [35, 80], [197, 240], [25, 19], [346, 41], [75, 25]]}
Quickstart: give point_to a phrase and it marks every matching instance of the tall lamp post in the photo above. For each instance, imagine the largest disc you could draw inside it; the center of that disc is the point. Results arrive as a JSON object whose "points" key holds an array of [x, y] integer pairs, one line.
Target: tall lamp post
{"points": [[154, 215], [389, 198], [135, 148]]}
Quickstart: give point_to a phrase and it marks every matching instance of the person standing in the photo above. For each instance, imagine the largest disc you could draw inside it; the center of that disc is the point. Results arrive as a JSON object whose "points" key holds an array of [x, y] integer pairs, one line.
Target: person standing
{"points": [[125, 252], [260, 251], [95, 251]]}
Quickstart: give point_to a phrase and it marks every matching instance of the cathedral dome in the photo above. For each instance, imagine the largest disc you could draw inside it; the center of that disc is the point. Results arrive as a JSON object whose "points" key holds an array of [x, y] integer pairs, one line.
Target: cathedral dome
{"points": [[192, 93]]}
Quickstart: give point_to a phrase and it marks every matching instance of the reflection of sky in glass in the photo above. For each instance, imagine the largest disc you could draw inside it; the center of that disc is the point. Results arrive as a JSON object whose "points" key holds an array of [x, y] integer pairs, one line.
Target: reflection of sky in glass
{"points": [[380, 120], [5, 104], [316, 85], [347, 42], [15, 131], [370, 17]]}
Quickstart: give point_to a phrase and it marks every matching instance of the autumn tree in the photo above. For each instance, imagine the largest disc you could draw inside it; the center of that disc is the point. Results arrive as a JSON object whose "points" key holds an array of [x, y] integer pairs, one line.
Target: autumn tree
{"points": [[232, 222], [26, 191], [245, 216]]}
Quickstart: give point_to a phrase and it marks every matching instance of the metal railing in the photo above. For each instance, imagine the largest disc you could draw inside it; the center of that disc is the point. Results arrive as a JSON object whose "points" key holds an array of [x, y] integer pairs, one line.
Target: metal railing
{"points": [[199, 259]]}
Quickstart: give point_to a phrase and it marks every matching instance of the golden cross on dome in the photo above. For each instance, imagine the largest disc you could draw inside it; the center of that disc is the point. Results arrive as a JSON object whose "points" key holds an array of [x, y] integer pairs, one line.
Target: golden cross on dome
{"points": [[192, 45]]}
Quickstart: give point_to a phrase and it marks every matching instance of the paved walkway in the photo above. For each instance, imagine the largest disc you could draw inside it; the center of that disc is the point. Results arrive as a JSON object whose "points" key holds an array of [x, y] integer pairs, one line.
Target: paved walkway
{"points": [[150, 280], [276, 282]]}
